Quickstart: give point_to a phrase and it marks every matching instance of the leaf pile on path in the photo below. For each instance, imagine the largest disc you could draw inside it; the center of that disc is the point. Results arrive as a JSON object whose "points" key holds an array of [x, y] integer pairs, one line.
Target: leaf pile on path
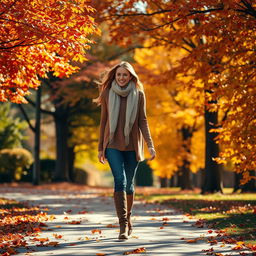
{"points": [[19, 221]]}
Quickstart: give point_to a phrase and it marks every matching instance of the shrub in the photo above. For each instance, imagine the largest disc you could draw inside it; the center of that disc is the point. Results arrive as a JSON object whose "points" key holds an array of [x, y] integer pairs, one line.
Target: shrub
{"points": [[13, 162], [47, 167], [80, 176], [144, 175]]}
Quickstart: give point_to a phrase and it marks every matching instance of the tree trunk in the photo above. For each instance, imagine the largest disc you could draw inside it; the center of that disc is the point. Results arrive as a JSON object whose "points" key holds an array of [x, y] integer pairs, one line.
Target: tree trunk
{"points": [[164, 182], [237, 178], [61, 127], [36, 166], [71, 161], [212, 181], [185, 176], [172, 181]]}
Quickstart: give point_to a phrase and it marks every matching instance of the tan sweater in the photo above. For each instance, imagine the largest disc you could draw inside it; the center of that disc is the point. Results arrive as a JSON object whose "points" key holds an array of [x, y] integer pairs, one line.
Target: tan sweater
{"points": [[140, 128]]}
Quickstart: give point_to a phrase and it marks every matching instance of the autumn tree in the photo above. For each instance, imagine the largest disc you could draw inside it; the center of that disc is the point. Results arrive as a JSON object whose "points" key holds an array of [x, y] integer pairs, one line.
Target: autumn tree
{"points": [[219, 39], [172, 114], [37, 37]]}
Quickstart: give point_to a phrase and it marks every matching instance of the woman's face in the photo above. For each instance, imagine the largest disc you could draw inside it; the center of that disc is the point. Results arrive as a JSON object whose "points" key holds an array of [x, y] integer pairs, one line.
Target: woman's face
{"points": [[122, 76]]}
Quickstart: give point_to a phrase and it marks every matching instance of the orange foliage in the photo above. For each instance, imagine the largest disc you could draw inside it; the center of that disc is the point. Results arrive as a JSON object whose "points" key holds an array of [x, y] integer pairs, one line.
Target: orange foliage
{"points": [[40, 36]]}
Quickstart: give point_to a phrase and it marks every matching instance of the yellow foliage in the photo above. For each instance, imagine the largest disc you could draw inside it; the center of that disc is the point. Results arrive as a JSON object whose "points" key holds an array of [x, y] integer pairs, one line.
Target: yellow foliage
{"points": [[170, 107]]}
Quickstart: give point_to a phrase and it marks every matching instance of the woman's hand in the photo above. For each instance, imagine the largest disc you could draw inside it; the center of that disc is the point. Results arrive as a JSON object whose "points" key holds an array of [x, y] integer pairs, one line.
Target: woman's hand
{"points": [[152, 153], [101, 157]]}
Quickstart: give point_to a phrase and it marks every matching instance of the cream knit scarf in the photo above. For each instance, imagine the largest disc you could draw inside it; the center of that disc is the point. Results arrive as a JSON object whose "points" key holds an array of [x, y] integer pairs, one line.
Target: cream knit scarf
{"points": [[132, 94]]}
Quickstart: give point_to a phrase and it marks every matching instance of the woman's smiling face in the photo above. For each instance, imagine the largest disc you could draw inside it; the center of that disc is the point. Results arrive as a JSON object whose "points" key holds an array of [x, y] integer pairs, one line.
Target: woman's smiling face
{"points": [[122, 76]]}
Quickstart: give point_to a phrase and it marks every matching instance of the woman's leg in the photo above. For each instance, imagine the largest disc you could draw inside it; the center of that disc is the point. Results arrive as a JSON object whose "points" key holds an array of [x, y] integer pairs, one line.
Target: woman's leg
{"points": [[116, 163], [130, 165]]}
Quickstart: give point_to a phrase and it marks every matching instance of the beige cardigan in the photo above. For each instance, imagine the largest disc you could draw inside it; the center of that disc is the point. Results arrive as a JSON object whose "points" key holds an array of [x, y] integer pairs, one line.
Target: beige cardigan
{"points": [[140, 127]]}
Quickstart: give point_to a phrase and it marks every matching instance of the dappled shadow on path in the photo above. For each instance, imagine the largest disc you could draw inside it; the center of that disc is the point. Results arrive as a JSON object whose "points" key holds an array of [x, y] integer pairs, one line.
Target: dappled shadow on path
{"points": [[157, 227]]}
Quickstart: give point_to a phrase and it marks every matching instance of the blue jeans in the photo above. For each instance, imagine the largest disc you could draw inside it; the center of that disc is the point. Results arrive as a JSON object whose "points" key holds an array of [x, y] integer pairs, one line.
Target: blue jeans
{"points": [[123, 165]]}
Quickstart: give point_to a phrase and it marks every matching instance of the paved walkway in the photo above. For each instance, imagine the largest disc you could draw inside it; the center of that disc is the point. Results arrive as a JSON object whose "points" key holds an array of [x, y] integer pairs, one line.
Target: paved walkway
{"points": [[159, 230]]}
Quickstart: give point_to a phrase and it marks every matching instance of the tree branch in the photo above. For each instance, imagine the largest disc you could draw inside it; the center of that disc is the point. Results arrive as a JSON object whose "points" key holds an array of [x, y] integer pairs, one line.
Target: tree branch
{"points": [[246, 8], [21, 45], [192, 12], [10, 41], [225, 115], [26, 117], [140, 14], [32, 103]]}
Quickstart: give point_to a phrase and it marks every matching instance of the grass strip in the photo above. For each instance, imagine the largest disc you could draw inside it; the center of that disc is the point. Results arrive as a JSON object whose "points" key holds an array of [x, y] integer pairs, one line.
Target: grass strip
{"points": [[234, 214]]}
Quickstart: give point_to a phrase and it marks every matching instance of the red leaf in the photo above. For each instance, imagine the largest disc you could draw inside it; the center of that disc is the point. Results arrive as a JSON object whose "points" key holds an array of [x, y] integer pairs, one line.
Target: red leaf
{"points": [[41, 224], [96, 231], [136, 251]]}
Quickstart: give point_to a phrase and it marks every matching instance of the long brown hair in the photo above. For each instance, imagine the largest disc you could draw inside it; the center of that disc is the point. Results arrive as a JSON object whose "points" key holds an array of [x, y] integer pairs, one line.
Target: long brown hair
{"points": [[110, 76]]}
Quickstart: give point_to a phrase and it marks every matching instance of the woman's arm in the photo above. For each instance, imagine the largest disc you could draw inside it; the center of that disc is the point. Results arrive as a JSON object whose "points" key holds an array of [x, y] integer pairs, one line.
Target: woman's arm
{"points": [[144, 127], [103, 121]]}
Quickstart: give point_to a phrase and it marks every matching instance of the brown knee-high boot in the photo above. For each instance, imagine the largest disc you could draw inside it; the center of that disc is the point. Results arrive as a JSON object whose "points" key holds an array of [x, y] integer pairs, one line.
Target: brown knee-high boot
{"points": [[130, 199], [121, 210]]}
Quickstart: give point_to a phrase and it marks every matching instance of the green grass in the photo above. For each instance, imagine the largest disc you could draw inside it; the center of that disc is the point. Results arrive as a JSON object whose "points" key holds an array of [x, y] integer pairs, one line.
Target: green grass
{"points": [[233, 213]]}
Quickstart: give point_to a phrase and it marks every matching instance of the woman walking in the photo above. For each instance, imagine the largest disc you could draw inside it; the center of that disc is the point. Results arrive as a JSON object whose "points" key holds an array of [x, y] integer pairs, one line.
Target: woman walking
{"points": [[122, 129]]}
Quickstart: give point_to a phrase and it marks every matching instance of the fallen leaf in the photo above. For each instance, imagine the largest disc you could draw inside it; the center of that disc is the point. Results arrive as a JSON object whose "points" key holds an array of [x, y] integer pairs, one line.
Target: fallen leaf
{"points": [[199, 224], [212, 242], [136, 251], [57, 236], [191, 241], [82, 212], [208, 250], [53, 244], [96, 231], [112, 226], [74, 222], [42, 240]]}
